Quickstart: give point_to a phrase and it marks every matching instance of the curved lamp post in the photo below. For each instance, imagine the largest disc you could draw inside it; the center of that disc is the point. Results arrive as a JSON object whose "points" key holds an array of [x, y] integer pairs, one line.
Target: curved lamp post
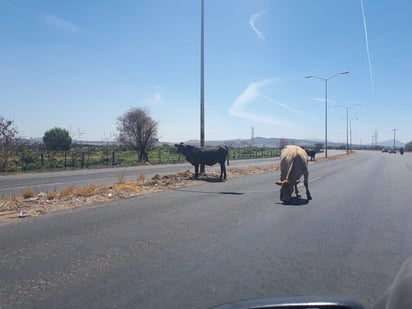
{"points": [[326, 104]]}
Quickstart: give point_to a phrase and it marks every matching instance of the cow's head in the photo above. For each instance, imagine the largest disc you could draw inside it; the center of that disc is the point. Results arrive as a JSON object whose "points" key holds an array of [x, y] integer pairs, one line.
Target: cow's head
{"points": [[181, 148], [286, 190]]}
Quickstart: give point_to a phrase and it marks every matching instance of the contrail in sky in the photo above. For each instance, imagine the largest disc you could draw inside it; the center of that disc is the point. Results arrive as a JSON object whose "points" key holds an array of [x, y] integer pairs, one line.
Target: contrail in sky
{"points": [[367, 46], [61, 23], [252, 21], [247, 97]]}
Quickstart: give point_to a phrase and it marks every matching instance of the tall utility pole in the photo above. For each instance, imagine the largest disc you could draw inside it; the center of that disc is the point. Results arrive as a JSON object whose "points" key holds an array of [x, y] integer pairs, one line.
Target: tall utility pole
{"points": [[252, 139], [394, 131], [347, 123], [376, 137], [350, 131], [202, 85]]}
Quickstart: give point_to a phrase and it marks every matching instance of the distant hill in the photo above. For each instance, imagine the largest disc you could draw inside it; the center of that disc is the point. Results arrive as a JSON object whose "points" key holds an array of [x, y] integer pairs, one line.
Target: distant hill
{"points": [[275, 142], [271, 142]]}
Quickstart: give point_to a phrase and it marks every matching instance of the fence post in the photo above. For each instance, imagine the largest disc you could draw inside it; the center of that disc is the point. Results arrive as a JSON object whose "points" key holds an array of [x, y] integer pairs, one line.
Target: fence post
{"points": [[65, 160], [82, 164]]}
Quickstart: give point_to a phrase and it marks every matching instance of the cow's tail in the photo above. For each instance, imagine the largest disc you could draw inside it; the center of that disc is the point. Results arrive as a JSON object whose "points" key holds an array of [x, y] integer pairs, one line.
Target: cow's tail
{"points": [[228, 155]]}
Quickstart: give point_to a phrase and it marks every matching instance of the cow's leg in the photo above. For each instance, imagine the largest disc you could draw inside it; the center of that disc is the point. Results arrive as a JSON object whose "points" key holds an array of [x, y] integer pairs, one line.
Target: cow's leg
{"points": [[305, 182], [222, 171], [296, 190], [282, 175], [196, 170]]}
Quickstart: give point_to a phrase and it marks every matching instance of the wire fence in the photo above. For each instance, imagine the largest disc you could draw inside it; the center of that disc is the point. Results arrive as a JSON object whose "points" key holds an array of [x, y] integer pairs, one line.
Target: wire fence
{"points": [[35, 159]]}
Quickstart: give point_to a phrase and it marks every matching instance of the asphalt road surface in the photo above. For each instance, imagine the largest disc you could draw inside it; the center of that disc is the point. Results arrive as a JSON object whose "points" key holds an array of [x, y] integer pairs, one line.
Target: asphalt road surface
{"points": [[200, 246]]}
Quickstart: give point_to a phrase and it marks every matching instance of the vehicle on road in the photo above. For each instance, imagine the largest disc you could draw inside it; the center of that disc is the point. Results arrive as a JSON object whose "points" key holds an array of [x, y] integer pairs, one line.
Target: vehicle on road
{"points": [[392, 151]]}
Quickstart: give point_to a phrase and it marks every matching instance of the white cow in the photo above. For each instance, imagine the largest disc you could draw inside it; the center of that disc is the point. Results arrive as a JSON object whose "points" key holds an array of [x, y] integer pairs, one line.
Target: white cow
{"points": [[293, 164]]}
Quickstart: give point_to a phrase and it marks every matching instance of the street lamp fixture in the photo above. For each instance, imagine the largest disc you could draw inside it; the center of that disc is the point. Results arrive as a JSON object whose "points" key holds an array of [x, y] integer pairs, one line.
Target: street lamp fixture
{"points": [[326, 104]]}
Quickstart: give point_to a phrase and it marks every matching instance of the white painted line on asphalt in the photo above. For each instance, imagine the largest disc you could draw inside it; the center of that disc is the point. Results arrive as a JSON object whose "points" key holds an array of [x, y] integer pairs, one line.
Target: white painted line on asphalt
{"points": [[314, 179]]}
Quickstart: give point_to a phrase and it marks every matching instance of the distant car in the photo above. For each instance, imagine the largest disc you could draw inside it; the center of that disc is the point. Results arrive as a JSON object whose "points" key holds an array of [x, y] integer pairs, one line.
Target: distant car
{"points": [[392, 151], [385, 149]]}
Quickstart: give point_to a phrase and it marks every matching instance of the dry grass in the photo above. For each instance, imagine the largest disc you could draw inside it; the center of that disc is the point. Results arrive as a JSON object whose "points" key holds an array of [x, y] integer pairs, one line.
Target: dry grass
{"points": [[120, 178], [28, 193], [28, 203], [140, 178], [52, 195]]}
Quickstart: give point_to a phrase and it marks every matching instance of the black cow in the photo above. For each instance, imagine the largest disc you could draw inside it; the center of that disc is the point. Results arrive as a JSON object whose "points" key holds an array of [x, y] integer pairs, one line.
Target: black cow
{"points": [[207, 156], [311, 153]]}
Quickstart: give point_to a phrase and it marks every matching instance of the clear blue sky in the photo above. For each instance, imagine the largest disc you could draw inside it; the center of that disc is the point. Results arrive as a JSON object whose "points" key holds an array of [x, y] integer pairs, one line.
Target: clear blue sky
{"points": [[80, 64]]}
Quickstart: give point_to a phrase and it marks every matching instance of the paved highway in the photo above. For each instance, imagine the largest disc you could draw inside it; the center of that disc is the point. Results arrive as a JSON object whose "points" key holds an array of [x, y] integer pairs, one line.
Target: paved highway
{"points": [[199, 246]]}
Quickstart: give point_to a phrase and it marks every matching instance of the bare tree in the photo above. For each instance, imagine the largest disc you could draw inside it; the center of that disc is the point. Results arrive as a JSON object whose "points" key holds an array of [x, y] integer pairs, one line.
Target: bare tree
{"points": [[138, 131], [8, 134]]}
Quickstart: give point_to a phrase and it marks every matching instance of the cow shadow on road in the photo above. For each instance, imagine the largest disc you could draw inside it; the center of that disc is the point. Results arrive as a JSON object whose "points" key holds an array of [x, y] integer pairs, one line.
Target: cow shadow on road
{"points": [[296, 201], [210, 179], [210, 192]]}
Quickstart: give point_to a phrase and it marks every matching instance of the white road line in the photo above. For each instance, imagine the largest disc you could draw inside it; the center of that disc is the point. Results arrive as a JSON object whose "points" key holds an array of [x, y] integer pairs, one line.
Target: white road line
{"points": [[314, 179]]}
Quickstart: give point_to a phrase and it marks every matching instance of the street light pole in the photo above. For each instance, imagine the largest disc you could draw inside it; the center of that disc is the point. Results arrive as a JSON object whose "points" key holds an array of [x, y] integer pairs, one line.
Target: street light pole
{"points": [[202, 85], [347, 122], [326, 104]]}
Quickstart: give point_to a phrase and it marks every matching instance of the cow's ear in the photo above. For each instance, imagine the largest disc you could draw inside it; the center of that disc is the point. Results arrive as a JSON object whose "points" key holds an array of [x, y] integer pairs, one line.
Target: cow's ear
{"points": [[279, 183]]}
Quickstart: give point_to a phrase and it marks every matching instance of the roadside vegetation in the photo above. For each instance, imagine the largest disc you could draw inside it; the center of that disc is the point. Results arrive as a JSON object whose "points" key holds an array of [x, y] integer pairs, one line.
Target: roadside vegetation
{"points": [[36, 158], [136, 143]]}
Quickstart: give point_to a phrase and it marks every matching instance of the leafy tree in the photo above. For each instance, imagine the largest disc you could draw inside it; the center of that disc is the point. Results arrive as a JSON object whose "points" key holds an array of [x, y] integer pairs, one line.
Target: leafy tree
{"points": [[8, 134], [27, 158], [138, 131], [408, 146], [57, 139]]}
